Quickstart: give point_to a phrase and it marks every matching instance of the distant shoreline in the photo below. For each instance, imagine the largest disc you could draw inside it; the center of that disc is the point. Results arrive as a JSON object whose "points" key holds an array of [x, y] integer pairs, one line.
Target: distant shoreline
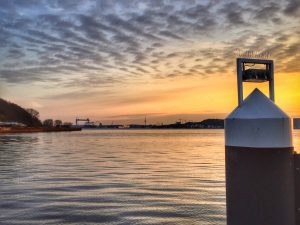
{"points": [[171, 128], [11, 130]]}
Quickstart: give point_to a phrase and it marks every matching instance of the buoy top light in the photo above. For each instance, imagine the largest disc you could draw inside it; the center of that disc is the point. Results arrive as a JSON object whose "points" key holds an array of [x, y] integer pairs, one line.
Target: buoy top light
{"points": [[255, 70], [256, 75]]}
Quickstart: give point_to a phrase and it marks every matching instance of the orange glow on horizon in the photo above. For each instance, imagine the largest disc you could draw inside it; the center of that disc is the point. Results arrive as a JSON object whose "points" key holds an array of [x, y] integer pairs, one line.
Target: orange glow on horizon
{"points": [[194, 97]]}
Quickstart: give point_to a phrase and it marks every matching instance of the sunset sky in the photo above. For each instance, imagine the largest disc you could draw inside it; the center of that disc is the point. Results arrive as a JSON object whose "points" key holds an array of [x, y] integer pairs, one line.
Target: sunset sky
{"points": [[119, 60]]}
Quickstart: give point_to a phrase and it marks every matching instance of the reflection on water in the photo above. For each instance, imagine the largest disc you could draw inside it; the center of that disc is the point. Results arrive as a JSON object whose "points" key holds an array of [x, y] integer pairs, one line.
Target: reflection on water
{"points": [[113, 177]]}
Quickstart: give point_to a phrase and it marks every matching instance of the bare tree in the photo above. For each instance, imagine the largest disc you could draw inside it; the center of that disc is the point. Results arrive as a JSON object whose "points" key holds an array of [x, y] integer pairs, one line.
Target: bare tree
{"points": [[48, 123], [34, 113], [57, 123]]}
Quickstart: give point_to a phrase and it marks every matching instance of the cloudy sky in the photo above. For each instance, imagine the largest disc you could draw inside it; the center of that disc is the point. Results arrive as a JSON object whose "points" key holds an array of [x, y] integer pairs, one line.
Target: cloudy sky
{"points": [[118, 60]]}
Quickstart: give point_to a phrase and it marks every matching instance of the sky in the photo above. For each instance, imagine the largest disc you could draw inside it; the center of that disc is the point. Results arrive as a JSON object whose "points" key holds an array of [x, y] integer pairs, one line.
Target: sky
{"points": [[117, 61]]}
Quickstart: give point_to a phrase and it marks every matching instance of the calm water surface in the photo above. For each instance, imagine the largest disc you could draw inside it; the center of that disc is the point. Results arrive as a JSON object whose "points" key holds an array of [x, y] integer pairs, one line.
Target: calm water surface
{"points": [[114, 177]]}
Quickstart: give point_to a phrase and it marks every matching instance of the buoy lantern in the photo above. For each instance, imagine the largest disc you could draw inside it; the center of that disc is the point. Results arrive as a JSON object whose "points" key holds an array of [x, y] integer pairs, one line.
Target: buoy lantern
{"points": [[256, 75], [249, 70]]}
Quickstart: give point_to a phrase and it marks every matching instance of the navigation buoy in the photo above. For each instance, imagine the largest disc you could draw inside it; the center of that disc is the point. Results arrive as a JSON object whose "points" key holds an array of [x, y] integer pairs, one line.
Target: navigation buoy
{"points": [[259, 162]]}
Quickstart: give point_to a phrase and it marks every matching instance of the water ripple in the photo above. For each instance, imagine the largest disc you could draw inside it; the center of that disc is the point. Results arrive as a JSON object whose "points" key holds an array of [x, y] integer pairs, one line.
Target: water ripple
{"points": [[114, 177]]}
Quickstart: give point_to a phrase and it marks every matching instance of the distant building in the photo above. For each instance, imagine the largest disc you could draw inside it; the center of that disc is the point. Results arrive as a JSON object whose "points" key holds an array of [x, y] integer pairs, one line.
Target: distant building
{"points": [[296, 123], [136, 126], [67, 124], [11, 124]]}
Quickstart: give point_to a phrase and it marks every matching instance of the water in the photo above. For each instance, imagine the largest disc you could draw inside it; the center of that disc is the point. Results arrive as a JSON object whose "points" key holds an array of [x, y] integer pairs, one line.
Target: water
{"points": [[114, 177]]}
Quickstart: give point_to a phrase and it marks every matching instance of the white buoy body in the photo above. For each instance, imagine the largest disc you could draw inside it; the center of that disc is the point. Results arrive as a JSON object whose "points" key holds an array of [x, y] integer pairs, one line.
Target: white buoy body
{"points": [[259, 164]]}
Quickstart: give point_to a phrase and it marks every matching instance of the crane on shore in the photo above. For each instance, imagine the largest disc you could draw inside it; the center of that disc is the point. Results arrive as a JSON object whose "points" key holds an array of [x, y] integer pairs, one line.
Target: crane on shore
{"points": [[84, 120]]}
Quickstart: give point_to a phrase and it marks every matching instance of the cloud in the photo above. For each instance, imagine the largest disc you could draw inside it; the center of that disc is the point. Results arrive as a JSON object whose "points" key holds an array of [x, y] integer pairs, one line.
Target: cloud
{"points": [[126, 26], [234, 13], [169, 34], [134, 116], [292, 8], [98, 43], [267, 12], [82, 94]]}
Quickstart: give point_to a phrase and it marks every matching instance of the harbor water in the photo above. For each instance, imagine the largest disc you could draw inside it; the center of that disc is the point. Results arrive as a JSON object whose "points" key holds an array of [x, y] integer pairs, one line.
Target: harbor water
{"points": [[114, 177]]}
